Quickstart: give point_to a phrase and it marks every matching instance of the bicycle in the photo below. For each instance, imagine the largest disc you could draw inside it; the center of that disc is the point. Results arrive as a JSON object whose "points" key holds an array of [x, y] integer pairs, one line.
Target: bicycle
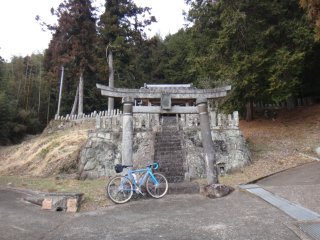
{"points": [[121, 188]]}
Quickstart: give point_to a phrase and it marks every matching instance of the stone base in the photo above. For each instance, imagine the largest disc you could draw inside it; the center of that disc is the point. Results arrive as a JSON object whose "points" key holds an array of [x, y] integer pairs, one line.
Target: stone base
{"points": [[216, 190], [69, 202]]}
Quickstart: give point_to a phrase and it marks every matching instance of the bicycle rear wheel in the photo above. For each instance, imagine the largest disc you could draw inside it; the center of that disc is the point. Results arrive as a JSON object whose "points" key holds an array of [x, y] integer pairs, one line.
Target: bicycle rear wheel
{"points": [[120, 189], [159, 190]]}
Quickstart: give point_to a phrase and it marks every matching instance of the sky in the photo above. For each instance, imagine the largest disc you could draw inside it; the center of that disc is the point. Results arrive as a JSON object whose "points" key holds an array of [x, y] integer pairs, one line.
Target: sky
{"points": [[21, 34]]}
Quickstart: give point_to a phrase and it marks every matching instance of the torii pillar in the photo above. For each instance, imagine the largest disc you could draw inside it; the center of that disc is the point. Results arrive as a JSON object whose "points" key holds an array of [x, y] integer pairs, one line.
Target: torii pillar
{"points": [[208, 146], [127, 131]]}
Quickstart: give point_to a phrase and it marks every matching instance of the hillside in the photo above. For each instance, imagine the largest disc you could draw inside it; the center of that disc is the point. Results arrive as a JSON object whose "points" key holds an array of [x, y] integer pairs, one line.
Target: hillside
{"points": [[53, 152], [278, 144], [288, 141]]}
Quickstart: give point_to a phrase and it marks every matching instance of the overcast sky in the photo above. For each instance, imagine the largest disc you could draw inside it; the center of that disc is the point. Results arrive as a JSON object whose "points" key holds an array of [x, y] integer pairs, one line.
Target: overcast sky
{"points": [[21, 35]]}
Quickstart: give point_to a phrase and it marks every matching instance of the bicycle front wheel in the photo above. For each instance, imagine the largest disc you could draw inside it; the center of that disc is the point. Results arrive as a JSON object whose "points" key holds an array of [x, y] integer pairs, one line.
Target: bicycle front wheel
{"points": [[157, 190], [120, 189]]}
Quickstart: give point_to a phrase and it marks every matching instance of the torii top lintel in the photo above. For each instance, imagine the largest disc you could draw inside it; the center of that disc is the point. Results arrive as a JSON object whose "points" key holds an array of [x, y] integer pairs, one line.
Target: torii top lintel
{"points": [[175, 93]]}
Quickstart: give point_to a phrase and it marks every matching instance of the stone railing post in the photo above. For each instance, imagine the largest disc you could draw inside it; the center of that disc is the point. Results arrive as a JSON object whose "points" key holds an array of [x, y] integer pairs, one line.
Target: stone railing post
{"points": [[127, 131], [210, 157]]}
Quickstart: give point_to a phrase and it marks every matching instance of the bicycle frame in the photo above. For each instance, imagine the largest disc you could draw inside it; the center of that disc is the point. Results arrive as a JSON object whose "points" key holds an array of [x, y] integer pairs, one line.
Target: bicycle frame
{"points": [[147, 171]]}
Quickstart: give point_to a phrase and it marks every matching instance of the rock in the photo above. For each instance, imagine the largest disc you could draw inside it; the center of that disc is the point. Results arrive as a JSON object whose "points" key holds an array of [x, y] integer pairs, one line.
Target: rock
{"points": [[216, 190]]}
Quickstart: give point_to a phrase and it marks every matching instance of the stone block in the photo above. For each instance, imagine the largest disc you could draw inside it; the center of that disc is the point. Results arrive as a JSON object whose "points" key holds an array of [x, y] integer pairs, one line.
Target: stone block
{"points": [[72, 205], [47, 204], [62, 201]]}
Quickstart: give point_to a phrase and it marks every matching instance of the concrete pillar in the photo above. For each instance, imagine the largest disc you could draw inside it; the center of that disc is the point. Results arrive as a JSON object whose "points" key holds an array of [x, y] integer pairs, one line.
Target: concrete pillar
{"points": [[210, 157], [127, 131]]}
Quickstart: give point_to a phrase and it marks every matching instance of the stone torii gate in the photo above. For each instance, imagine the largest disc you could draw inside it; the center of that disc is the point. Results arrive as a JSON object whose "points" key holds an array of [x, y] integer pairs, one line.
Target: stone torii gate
{"points": [[167, 94]]}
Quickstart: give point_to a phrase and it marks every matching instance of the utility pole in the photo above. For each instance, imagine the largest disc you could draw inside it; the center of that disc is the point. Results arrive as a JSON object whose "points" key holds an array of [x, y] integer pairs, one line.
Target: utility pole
{"points": [[60, 91], [111, 79]]}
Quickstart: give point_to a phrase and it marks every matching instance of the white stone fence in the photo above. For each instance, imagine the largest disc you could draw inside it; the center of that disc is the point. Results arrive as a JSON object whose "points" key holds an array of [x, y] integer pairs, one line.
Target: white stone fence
{"points": [[90, 116], [217, 120], [140, 121], [113, 120]]}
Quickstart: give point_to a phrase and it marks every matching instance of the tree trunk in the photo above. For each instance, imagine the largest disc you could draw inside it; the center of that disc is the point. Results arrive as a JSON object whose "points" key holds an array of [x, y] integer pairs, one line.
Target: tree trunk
{"points": [[74, 107], [249, 111], [60, 90], [39, 92], [290, 103], [111, 81], [49, 99], [80, 105]]}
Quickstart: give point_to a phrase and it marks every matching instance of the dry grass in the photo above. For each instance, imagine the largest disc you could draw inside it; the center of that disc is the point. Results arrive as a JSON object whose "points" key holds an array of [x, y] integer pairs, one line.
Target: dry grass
{"points": [[45, 155]]}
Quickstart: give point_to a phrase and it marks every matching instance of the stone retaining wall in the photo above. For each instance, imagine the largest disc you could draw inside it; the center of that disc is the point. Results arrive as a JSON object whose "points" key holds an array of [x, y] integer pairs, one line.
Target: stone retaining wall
{"points": [[103, 151], [103, 148]]}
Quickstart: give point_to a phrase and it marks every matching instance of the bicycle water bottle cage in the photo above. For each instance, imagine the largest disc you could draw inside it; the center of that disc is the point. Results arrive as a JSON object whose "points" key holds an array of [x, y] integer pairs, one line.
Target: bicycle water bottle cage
{"points": [[118, 168]]}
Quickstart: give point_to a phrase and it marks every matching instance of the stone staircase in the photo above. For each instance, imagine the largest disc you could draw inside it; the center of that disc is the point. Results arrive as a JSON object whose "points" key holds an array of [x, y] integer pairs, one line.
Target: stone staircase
{"points": [[168, 151]]}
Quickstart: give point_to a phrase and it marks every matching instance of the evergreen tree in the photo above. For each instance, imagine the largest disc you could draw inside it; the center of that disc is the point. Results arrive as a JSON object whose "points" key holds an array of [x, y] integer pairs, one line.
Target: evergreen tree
{"points": [[121, 31], [258, 47], [73, 45]]}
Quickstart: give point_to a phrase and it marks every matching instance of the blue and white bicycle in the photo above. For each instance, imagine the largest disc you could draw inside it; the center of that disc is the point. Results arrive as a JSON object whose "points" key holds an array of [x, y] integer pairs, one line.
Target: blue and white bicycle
{"points": [[120, 188]]}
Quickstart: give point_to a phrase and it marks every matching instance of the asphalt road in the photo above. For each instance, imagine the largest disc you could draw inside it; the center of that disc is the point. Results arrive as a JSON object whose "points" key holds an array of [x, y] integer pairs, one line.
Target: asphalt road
{"points": [[237, 216]]}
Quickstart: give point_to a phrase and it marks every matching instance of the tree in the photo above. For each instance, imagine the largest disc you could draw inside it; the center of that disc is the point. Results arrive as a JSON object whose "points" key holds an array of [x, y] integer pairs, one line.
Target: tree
{"points": [[258, 47], [121, 30], [73, 45], [313, 10]]}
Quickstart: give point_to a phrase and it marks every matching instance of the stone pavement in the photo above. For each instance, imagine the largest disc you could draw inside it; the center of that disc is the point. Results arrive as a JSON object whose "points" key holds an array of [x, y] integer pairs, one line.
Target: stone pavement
{"points": [[239, 215]]}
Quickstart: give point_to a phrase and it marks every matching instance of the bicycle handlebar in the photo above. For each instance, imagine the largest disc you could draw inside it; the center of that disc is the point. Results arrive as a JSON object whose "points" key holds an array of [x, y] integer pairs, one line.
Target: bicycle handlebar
{"points": [[125, 166], [155, 165]]}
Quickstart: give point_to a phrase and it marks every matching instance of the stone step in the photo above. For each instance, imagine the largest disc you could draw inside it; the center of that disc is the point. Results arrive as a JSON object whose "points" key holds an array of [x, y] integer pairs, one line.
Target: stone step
{"points": [[172, 171], [172, 153], [166, 150], [174, 150], [183, 188], [170, 162], [168, 159], [169, 139], [174, 175], [175, 179]]}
